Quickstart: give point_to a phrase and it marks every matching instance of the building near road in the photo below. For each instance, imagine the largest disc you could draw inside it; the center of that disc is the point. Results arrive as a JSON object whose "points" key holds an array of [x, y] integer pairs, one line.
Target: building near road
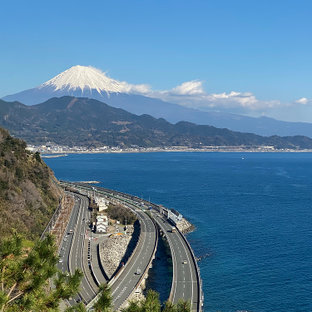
{"points": [[101, 224], [174, 216], [102, 203]]}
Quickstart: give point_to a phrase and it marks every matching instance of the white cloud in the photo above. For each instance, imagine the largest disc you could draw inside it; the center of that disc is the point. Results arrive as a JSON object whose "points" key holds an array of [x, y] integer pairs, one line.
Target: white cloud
{"points": [[303, 101], [192, 94], [139, 88], [193, 87]]}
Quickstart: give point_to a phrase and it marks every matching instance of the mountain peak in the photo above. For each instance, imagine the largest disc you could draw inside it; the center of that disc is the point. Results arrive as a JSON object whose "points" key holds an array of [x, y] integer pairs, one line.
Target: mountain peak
{"points": [[85, 78]]}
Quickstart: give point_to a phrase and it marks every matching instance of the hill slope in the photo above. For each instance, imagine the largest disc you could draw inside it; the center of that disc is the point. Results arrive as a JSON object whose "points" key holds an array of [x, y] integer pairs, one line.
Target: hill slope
{"points": [[28, 195], [86, 122]]}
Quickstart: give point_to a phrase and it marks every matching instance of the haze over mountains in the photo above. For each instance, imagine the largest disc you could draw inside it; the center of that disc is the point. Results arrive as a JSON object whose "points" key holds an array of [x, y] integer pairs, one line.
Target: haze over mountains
{"points": [[82, 81]]}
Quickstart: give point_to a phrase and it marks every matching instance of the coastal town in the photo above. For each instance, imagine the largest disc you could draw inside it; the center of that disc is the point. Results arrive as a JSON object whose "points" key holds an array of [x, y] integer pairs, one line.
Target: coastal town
{"points": [[54, 150]]}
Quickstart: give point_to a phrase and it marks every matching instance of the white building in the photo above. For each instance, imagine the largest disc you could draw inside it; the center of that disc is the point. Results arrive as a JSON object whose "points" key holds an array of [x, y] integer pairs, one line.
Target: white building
{"points": [[101, 228], [174, 216], [102, 219], [102, 203], [101, 224]]}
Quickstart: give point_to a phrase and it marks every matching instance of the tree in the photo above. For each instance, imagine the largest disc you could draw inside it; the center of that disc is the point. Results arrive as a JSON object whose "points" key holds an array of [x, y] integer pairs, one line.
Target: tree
{"points": [[134, 306], [183, 306], [25, 277], [169, 307], [104, 304], [151, 303], [37, 156]]}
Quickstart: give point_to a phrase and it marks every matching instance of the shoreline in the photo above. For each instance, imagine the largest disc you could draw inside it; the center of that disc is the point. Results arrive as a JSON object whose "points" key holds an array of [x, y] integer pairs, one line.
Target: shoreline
{"points": [[57, 154]]}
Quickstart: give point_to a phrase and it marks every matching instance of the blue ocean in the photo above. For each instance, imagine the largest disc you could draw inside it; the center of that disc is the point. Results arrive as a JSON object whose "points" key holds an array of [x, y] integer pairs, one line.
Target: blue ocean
{"points": [[252, 212]]}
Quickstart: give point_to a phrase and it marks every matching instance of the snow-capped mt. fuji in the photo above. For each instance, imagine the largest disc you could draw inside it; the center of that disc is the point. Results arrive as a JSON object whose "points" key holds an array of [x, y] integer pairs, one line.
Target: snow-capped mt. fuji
{"points": [[92, 79], [79, 81], [84, 77]]}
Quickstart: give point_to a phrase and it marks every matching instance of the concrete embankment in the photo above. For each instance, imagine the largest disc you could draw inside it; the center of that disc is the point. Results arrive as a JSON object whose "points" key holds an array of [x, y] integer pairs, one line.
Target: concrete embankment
{"points": [[115, 250], [185, 226]]}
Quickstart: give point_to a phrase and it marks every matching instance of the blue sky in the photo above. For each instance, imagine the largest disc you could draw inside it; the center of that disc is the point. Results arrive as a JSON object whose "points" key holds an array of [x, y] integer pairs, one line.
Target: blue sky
{"points": [[261, 50]]}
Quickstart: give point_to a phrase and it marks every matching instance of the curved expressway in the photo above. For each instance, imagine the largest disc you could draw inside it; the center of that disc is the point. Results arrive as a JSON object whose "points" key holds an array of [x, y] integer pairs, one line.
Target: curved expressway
{"points": [[128, 280], [186, 281], [74, 254]]}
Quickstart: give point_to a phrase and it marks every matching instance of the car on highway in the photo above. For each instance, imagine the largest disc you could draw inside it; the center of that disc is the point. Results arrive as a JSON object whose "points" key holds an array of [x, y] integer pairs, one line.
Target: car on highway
{"points": [[184, 262], [138, 271]]}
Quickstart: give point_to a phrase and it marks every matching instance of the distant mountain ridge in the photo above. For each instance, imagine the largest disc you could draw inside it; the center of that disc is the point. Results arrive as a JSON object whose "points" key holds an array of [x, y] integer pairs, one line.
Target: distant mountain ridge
{"points": [[83, 81], [87, 122]]}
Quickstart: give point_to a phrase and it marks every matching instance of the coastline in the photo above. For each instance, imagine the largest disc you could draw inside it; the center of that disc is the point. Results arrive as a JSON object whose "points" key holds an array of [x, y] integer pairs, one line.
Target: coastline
{"points": [[63, 151]]}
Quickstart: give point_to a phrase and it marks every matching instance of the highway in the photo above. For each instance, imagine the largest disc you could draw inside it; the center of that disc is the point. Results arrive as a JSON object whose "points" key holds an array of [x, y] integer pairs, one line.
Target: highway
{"points": [[74, 254], [186, 282], [129, 278], [73, 250]]}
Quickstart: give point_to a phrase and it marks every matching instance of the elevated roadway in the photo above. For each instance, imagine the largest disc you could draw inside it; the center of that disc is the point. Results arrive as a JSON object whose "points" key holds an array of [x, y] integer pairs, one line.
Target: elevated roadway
{"points": [[74, 254], [186, 282]]}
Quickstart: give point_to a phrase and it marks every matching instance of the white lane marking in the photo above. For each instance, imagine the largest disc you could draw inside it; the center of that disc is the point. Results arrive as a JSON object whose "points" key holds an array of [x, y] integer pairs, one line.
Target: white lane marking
{"points": [[79, 244], [138, 257], [174, 279], [189, 266]]}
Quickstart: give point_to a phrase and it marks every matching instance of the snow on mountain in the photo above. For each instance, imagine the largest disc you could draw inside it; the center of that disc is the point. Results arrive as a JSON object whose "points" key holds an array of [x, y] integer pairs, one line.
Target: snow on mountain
{"points": [[90, 78], [87, 81]]}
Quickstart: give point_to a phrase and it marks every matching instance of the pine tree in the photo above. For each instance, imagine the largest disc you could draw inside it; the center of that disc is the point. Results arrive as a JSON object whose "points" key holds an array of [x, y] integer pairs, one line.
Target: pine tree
{"points": [[25, 277], [104, 304], [151, 303], [183, 306], [169, 307]]}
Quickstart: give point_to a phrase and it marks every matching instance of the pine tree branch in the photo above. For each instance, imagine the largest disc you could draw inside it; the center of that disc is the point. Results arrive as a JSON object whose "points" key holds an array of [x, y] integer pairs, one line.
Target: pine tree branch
{"points": [[2, 283], [15, 297], [11, 290]]}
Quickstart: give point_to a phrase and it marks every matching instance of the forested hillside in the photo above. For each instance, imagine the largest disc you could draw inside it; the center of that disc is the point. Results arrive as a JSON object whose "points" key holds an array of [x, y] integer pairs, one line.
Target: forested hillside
{"points": [[28, 193]]}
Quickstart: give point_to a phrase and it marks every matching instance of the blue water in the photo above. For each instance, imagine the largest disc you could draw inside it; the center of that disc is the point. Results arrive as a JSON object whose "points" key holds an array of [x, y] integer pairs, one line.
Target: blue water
{"points": [[252, 211]]}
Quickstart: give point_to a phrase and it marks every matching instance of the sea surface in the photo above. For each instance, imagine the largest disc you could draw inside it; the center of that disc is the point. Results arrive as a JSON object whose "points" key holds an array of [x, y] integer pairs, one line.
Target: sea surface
{"points": [[252, 212]]}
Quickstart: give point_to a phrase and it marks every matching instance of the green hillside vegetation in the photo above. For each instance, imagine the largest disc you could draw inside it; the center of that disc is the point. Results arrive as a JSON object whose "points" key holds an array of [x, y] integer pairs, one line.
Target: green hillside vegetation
{"points": [[87, 122], [25, 275], [122, 214], [28, 193]]}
